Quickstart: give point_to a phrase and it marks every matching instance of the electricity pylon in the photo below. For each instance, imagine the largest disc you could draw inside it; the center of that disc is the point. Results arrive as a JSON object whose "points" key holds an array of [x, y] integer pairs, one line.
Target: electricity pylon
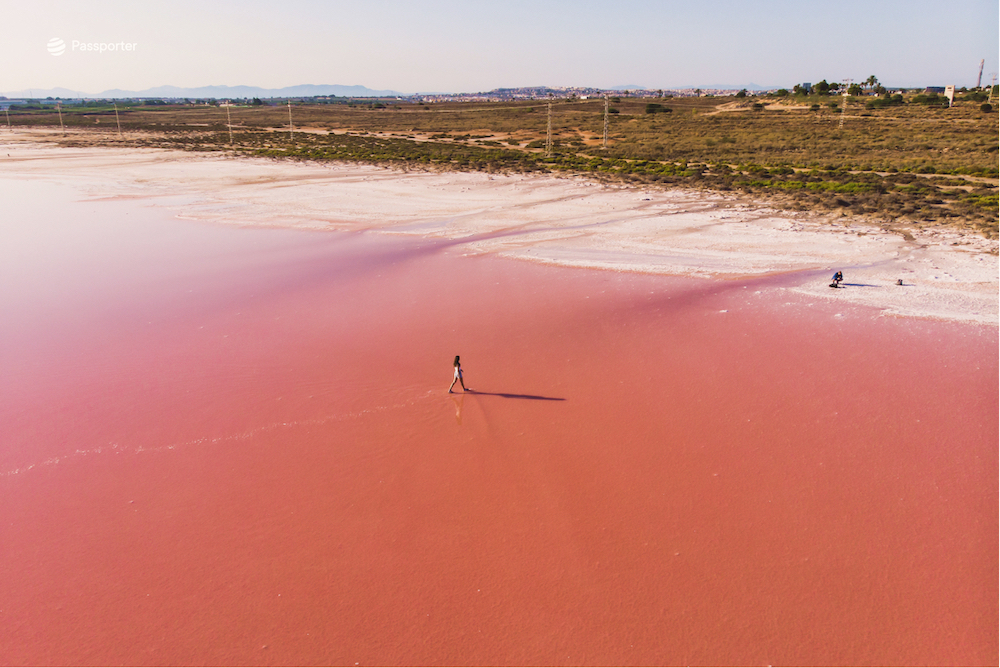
{"points": [[548, 135], [605, 121], [843, 109]]}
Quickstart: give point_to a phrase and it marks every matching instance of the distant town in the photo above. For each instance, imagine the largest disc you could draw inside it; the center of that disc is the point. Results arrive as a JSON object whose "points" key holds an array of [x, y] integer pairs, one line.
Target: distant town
{"points": [[220, 95]]}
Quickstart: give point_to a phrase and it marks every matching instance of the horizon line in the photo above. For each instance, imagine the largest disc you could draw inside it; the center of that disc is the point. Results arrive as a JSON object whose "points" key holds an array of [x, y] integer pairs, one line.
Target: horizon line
{"points": [[119, 93]]}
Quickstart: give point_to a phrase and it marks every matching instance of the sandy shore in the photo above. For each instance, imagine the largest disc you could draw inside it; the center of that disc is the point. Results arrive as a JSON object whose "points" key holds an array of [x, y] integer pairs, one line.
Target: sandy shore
{"points": [[946, 274]]}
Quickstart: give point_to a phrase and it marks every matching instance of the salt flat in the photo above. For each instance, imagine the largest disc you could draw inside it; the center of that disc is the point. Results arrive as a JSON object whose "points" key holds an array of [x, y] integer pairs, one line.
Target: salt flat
{"points": [[946, 274]]}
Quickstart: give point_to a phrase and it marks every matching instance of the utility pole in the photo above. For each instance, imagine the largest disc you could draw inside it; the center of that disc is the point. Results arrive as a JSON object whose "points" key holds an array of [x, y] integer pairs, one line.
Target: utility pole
{"points": [[291, 128], [7, 111], [548, 135], [229, 122], [843, 109], [992, 86], [59, 109], [605, 121], [118, 120]]}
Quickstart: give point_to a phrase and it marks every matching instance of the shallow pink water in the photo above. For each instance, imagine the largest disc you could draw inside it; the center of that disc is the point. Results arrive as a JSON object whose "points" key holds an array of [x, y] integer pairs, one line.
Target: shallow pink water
{"points": [[234, 446]]}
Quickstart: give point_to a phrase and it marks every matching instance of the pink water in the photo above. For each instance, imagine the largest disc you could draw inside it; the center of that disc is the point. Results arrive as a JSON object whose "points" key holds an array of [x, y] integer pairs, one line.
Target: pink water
{"points": [[234, 446]]}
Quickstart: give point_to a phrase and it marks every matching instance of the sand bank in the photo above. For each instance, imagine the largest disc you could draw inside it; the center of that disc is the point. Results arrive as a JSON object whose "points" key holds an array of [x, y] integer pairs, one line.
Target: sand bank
{"points": [[946, 274]]}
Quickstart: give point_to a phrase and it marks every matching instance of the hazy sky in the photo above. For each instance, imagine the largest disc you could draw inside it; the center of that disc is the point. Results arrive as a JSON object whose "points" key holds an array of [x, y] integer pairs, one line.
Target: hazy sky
{"points": [[472, 45]]}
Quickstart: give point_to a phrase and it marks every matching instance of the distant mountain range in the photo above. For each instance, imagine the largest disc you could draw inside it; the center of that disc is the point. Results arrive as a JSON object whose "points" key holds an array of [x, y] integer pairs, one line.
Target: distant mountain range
{"points": [[220, 92]]}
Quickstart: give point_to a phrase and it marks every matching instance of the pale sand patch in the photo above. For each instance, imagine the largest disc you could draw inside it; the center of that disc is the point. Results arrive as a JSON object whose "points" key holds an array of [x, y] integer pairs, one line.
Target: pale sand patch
{"points": [[570, 221]]}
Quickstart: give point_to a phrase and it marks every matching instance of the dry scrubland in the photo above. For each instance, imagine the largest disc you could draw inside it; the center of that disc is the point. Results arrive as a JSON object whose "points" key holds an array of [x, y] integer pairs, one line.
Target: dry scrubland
{"points": [[911, 165]]}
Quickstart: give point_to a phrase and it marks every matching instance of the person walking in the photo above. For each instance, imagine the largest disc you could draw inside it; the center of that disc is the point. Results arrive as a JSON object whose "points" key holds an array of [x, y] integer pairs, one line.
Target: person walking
{"points": [[458, 376]]}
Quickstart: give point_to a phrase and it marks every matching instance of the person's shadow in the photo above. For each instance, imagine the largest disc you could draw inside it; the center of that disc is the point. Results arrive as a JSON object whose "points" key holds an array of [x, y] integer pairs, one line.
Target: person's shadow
{"points": [[508, 395]]}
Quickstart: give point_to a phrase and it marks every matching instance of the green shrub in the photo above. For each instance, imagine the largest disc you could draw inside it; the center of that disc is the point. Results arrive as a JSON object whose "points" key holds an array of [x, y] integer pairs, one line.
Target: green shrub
{"points": [[931, 99]]}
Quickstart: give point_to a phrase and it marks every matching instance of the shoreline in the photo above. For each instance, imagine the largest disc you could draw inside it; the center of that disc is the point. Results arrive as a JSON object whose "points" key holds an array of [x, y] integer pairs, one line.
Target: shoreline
{"points": [[567, 221]]}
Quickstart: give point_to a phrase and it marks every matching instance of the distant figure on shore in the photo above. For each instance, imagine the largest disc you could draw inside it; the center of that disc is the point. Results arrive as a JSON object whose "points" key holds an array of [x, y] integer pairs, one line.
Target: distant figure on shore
{"points": [[837, 278], [458, 376], [899, 282]]}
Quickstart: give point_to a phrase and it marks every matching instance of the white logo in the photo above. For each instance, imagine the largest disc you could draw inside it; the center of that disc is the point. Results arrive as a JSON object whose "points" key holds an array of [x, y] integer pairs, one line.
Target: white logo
{"points": [[57, 46]]}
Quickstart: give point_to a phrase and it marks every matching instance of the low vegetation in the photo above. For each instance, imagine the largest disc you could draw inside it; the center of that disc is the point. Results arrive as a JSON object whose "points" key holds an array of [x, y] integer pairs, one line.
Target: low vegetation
{"points": [[904, 159]]}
